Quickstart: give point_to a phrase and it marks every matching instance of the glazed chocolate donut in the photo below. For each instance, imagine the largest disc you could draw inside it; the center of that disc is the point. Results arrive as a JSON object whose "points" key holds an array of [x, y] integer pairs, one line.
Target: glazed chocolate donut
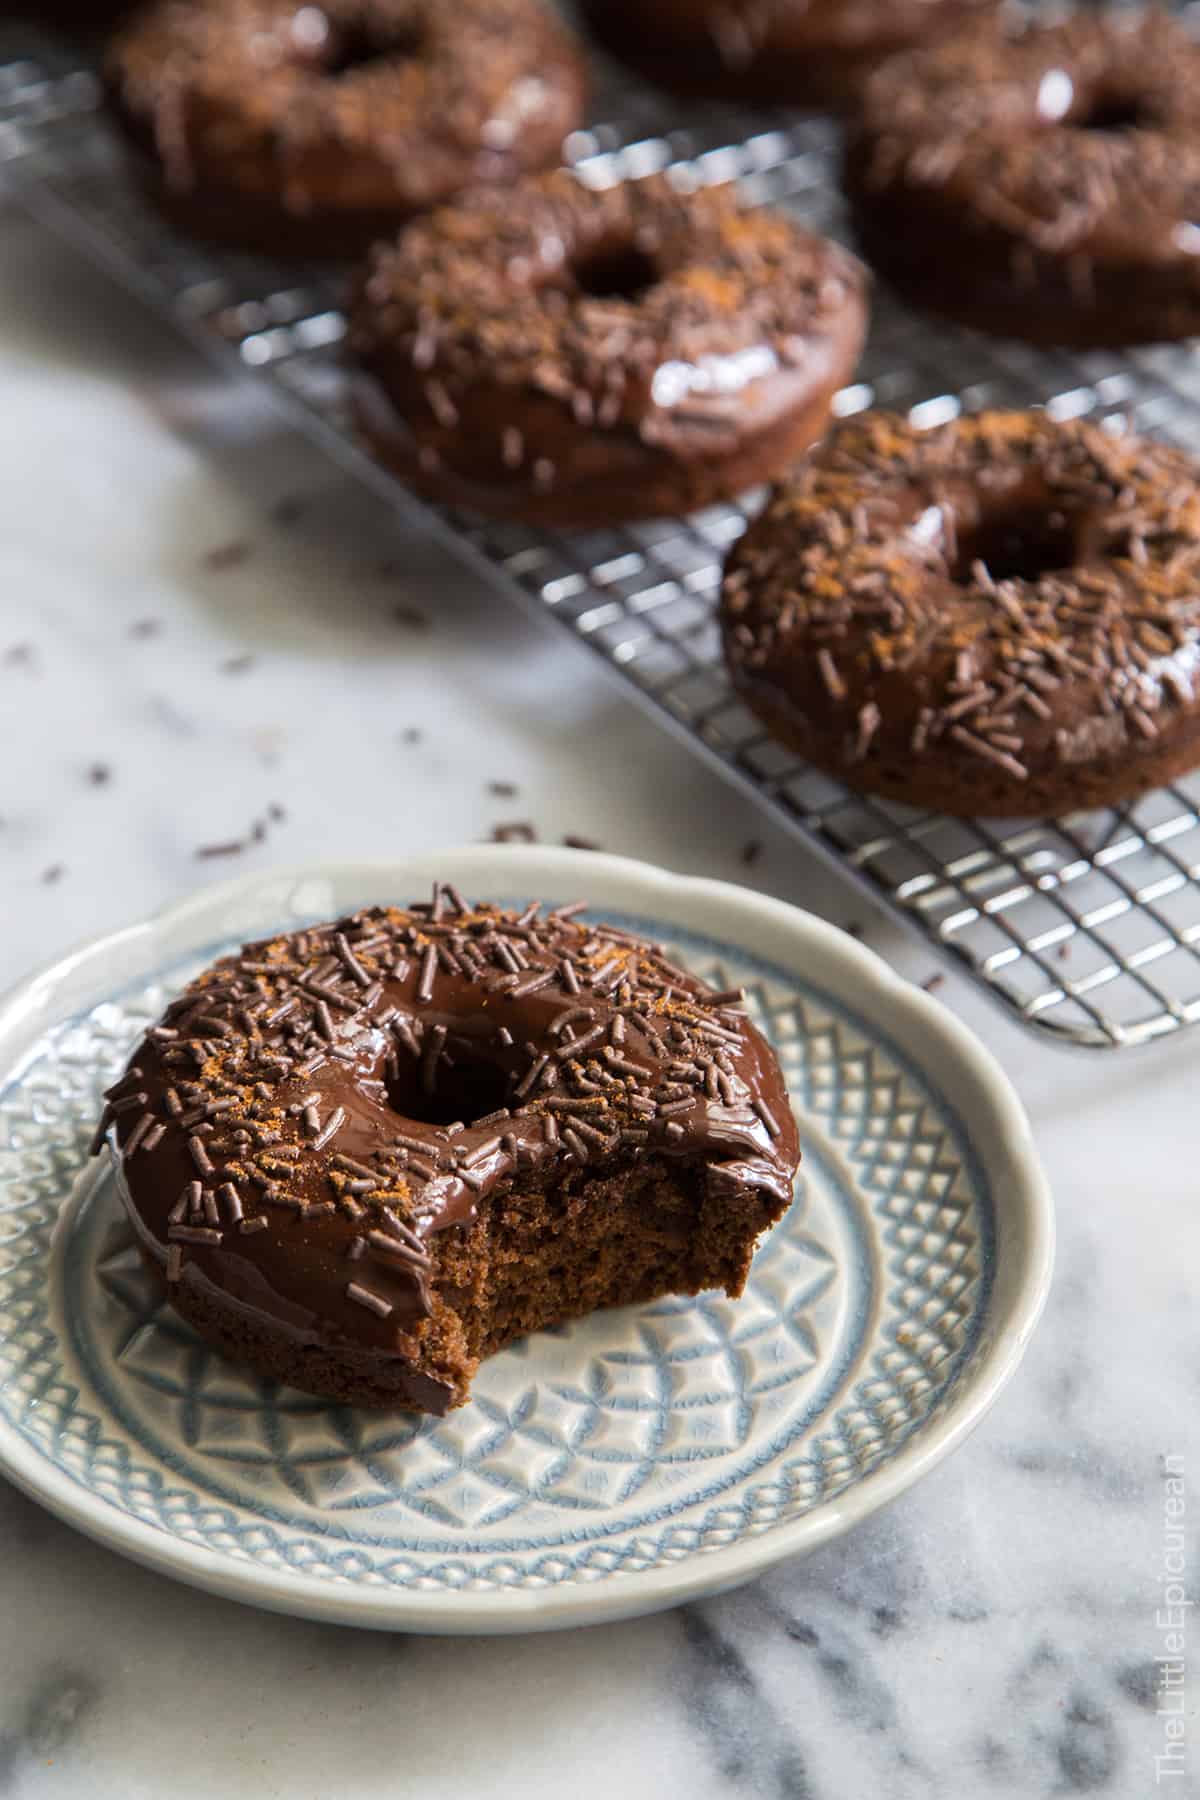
{"points": [[366, 1155], [581, 357], [312, 130], [1000, 616], [1044, 184], [795, 52]]}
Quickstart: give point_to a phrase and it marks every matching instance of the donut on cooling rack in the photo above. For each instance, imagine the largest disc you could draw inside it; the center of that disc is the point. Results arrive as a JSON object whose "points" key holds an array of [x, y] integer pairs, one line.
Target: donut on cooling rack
{"points": [[311, 130], [997, 617], [366, 1155], [571, 356], [795, 52], [1042, 183]]}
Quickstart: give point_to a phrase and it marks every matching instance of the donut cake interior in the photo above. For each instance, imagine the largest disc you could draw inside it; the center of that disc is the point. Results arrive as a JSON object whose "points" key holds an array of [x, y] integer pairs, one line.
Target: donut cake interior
{"points": [[365, 1156]]}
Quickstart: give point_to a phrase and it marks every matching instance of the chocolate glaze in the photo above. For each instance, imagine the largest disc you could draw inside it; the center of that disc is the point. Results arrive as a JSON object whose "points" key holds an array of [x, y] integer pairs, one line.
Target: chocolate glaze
{"points": [[313, 129], [997, 616], [796, 52], [574, 356], [337, 1084], [1061, 163]]}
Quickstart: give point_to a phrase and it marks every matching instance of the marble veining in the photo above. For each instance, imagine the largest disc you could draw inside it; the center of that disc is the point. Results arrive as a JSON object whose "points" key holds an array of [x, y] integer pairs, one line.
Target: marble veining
{"points": [[992, 1635]]}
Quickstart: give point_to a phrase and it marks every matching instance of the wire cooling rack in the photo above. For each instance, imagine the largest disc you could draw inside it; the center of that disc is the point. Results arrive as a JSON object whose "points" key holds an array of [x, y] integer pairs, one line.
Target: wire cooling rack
{"points": [[1088, 928]]}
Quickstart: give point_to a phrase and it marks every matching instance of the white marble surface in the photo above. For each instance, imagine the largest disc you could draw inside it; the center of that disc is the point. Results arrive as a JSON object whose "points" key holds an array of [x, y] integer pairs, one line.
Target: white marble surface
{"points": [[993, 1633]]}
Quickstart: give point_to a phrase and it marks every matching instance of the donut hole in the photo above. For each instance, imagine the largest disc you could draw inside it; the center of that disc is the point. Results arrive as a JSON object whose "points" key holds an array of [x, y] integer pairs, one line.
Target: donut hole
{"points": [[614, 271], [1015, 543], [339, 47], [460, 1085], [1114, 113]]}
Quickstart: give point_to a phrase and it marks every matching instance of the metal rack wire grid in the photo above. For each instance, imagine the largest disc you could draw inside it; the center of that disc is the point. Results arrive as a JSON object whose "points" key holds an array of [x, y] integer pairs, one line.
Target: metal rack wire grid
{"points": [[1088, 927]]}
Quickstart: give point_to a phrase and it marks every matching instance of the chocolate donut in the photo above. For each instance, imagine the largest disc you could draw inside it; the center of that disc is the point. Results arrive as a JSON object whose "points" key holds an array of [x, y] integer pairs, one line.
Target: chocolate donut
{"points": [[580, 357], [795, 52], [366, 1155], [1000, 616], [312, 130], [1043, 183]]}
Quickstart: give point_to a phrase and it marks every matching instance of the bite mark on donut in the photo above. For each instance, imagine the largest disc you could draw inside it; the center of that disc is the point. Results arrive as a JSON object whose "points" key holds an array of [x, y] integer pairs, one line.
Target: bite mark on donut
{"points": [[368, 1153]]}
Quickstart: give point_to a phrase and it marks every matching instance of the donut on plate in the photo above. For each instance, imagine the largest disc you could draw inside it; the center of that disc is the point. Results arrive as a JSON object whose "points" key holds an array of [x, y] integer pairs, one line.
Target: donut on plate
{"points": [[310, 130], [794, 52], [366, 1155], [574, 356], [1043, 183], [997, 617]]}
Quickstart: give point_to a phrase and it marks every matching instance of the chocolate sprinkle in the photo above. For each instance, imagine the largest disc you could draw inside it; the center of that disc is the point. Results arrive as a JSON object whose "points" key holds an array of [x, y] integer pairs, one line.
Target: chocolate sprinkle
{"points": [[364, 1297]]}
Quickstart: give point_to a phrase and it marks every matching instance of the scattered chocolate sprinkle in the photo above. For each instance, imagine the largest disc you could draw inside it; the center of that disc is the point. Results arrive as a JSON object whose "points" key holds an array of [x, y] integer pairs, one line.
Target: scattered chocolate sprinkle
{"points": [[238, 665], [249, 1226], [517, 832], [411, 617], [54, 873], [581, 843], [99, 774], [503, 790], [226, 556], [174, 1262], [932, 982], [751, 852], [206, 852], [193, 1234], [145, 628]]}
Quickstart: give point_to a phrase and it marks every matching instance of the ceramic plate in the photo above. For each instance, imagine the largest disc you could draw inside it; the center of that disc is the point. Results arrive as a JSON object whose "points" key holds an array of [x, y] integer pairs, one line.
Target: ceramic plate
{"points": [[641, 1458]]}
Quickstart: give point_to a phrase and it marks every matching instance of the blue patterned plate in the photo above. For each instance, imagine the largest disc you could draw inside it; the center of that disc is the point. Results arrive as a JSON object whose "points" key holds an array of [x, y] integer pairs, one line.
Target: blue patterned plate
{"points": [[638, 1459]]}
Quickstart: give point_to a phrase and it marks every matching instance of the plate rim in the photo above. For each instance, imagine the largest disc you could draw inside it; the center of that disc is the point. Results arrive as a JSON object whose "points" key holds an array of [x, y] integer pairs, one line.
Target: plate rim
{"points": [[924, 1026]]}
